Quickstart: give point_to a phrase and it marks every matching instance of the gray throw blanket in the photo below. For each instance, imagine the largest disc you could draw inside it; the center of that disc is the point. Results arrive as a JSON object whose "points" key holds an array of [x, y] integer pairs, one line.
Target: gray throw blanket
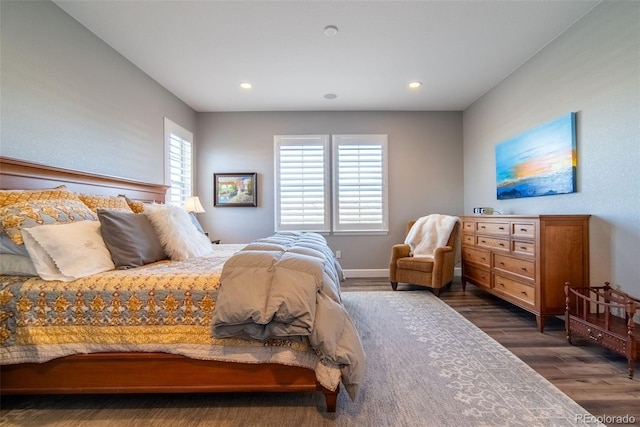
{"points": [[287, 285]]}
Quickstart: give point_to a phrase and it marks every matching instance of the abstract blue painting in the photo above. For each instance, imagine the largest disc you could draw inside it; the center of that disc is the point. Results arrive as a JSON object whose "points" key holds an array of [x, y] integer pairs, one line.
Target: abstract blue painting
{"points": [[540, 162]]}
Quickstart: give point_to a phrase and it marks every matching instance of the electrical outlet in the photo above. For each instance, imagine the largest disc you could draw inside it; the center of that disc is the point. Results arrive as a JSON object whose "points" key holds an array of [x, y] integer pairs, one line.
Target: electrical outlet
{"points": [[338, 254]]}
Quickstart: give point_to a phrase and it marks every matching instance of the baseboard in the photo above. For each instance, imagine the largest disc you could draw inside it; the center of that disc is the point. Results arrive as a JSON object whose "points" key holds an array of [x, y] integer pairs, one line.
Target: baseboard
{"points": [[352, 274], [383, 272]]}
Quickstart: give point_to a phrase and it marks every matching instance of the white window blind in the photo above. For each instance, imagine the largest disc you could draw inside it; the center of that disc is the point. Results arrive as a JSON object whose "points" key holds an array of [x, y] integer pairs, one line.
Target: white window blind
{"points": [[302, 182], [179, 162], [360, 183]]}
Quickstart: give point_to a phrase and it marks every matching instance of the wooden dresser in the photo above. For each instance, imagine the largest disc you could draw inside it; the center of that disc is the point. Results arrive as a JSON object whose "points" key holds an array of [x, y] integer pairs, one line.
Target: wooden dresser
{"points": [[526, 260]]}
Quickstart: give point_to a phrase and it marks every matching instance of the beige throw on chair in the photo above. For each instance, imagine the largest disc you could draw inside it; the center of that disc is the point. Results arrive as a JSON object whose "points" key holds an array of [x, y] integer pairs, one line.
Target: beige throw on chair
{"points": [[430, 232], [428, 256]]}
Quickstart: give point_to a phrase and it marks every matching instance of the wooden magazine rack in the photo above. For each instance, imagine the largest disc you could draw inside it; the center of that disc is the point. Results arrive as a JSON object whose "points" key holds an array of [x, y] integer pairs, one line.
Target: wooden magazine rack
{"points": [[605, 316]]}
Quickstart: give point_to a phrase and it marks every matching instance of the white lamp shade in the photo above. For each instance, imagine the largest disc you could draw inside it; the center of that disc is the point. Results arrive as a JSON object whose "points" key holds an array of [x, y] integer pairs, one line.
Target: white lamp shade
{"points": [[192, 204]]}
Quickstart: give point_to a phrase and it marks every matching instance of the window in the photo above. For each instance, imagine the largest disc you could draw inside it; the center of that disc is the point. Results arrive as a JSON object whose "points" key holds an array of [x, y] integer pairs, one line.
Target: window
{"points": [[179, 162], [305, 199], [360, 183], [302, 182]]}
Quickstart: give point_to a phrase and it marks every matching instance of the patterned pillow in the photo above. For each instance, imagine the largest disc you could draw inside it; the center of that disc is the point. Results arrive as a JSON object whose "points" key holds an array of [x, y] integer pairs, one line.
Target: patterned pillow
{"points": [[10, 197], [105, 202], [135, 205], [15, 217]]}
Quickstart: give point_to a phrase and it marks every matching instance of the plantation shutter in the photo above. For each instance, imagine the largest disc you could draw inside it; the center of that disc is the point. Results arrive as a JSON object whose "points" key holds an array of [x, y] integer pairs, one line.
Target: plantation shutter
{"points": [[360, 176], [302, 177], [179, 163]]}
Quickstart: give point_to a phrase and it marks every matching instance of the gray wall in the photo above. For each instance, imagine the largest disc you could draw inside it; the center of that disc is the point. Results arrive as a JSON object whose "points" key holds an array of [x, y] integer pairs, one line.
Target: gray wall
{"points": [[69, 100], [425, 170], [593, 69]]}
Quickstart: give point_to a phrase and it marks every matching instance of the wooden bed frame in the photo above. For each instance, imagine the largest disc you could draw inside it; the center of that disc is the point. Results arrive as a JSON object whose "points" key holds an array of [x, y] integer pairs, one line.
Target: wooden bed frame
{"points": [[135, 372]]}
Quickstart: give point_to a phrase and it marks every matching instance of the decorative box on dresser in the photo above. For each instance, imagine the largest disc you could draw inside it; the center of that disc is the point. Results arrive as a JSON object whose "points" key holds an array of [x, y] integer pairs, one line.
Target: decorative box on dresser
{"points": [[526, 259]]}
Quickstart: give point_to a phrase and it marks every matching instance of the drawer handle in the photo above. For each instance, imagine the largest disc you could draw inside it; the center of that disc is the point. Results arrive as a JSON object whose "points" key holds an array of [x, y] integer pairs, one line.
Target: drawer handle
{"points": [[523, 248], [483, 241], [524, 293], [596, 338], [483, 259], [482, 226], [523, 229], [523, 268], [501, 244], [500, 228], [501, 263]]}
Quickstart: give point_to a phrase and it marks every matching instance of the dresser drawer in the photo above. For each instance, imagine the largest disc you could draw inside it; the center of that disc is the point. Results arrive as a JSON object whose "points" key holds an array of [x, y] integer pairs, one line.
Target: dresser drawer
{"points": [[479, 276], [468, 226], [520, 291], [493, 227], [493, 243], [523, 248], [523, 229], [476, 256], [468, 239], [517, 266]]}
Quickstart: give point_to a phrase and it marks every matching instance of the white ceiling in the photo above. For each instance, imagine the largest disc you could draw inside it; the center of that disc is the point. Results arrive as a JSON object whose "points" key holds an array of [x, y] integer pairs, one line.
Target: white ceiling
{"points": [[202, 50]]}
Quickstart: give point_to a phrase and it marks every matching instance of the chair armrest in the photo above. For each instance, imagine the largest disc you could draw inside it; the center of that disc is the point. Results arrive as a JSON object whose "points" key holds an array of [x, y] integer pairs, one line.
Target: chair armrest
{"points": [[397, 251], [443, 263], [441, 252], [400, 251]]}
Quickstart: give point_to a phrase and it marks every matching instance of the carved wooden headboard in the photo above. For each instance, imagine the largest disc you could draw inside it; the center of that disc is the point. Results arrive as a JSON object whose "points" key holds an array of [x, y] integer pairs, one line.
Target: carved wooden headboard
{"points": [[19, 175]]}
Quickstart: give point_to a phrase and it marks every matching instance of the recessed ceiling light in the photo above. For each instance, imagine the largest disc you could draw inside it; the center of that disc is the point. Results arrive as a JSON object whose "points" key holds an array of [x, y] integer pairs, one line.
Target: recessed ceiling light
{"points": [[330, 30], [415, 85], [246, 85], [330, 96]]}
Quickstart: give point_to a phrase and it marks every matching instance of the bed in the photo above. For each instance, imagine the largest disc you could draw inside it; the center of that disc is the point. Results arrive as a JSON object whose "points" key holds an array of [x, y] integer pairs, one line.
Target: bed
{"points": [[165, 368]]}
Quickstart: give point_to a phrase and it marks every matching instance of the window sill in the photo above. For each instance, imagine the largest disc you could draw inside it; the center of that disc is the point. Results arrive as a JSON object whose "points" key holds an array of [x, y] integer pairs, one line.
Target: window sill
{"points": [[361, 233]]}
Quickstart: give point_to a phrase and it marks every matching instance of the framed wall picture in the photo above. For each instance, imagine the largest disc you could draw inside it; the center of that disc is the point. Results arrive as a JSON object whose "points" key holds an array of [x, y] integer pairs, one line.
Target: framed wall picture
{"points": [[540, 162], [235, 189]]}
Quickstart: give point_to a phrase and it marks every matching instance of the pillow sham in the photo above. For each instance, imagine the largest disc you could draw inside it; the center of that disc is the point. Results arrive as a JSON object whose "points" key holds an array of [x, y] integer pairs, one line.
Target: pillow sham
{"points": [[135, 205], [94, 203], [130, 238], [9, 197], [21, 215], [67, 251], [16, 265], [179, 237]]}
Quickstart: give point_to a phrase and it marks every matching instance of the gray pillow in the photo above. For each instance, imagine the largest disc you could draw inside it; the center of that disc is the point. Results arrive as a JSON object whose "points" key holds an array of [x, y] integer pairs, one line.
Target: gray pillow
{"points": [[16, 265], [8, 246], [130, 238]]}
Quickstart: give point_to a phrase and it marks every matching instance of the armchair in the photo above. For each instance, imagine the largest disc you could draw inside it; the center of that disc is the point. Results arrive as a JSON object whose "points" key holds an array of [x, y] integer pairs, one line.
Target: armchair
{"points": [[434, 271]]}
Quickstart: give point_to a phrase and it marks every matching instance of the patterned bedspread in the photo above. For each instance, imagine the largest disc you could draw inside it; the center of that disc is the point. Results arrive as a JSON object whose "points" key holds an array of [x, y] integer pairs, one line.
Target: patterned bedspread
{"points": [[161, 307]]}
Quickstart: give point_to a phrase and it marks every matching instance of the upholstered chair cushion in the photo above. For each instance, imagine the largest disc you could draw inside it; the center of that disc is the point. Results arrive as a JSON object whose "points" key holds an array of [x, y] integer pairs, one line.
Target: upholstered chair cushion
{"points": [[422, 264]]}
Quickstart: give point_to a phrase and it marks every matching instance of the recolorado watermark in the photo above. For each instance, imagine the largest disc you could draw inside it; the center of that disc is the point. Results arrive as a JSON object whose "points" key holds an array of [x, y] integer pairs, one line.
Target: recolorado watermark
{"points": [[605, 419]]}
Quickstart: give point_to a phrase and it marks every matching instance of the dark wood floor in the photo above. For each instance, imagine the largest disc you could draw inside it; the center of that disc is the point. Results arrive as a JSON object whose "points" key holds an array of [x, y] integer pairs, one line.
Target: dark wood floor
{"points": [[592, 376]]}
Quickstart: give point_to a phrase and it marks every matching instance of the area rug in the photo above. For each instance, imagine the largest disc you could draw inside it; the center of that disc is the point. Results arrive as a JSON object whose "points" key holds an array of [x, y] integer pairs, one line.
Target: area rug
{"points": [[426, 366]]}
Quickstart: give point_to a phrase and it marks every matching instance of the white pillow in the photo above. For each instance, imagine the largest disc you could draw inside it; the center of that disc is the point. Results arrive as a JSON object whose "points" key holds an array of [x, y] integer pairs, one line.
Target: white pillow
{"points": [[180, 239], [67, 251]]}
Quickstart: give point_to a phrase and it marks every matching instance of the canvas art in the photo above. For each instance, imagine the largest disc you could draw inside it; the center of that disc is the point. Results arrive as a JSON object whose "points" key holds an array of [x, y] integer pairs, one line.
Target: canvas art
{"points": [[235, 189], [539, 162]]}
